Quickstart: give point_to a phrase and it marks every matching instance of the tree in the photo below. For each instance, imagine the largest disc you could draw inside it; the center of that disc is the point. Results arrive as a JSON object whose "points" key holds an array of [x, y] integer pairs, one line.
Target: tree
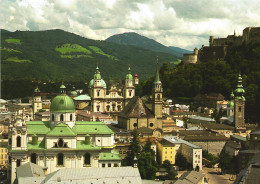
{"points": [[181, 161], [225, 163], [134, 150], [171, 173]]}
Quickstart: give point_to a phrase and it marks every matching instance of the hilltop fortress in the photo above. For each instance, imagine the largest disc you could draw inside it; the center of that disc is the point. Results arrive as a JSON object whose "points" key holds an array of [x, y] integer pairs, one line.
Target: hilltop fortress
{"points": [[217, 48]]}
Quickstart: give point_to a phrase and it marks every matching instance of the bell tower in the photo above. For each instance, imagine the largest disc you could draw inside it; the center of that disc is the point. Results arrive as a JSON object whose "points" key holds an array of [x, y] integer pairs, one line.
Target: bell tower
{"points": [[239, 103], [157, 94], [129, 91], [37, 101]]}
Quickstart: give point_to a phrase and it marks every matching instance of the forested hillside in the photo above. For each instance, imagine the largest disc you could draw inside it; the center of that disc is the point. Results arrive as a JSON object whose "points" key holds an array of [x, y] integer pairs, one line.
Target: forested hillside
{"points": [[183, 82], [56, 55]]}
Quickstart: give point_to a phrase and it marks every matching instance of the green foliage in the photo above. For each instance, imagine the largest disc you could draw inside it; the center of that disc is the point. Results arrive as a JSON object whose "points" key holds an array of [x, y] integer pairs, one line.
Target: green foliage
{"points": [[17, 60], [70, 48], [99, 51], [210, 157], [171, 173], [14, 41], [217, 115], [9, 50], [181, 161], [226, 163]]}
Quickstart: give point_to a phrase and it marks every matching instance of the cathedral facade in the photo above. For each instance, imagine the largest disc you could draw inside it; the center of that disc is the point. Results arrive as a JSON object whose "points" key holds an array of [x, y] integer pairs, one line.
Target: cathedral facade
{"points": [[113, 100], [61, 142]]}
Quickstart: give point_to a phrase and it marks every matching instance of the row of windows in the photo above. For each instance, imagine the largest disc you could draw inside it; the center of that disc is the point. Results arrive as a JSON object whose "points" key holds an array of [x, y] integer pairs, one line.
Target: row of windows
{"points": [[151, 124], [3, 150], [109, 165], [61, 117]]}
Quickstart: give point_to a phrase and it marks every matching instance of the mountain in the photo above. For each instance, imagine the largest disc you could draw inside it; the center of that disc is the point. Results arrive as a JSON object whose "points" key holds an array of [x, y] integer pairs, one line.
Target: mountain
{"points": [[180, 50], [137, 40], [59, 55]]}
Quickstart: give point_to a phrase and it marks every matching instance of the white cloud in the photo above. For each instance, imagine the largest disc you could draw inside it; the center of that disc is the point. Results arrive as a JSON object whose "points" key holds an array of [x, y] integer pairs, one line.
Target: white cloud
{"points": [[179, 23]]}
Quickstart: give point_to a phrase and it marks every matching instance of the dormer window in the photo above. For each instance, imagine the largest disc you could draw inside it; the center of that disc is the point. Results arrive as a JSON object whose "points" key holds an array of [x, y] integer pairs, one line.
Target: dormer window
{"points": [[61, 117]]}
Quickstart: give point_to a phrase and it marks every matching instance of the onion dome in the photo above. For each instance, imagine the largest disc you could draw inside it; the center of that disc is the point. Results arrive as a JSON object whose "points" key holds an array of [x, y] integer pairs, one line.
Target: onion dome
{"points": [[62, 103], [239, 92], [97, 74], [129, 75], [230, 104]]}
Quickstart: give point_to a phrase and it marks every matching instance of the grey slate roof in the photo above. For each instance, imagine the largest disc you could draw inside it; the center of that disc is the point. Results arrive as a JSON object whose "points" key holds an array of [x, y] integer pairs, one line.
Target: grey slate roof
{"points": [[29, 170], [136, 109], [190, 177], [111, 175]]}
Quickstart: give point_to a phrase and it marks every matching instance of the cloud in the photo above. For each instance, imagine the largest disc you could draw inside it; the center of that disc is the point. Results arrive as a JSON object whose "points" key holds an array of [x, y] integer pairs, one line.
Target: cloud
{"points": [[179, 23]]}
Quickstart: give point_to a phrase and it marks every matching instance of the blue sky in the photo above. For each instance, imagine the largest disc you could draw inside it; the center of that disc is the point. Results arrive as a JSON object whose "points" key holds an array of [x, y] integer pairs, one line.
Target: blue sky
{"points": [[182, 23]]}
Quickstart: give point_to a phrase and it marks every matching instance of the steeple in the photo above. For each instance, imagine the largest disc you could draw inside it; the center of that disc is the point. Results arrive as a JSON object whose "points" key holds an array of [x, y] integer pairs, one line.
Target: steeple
{"points": [[239, 103], [129, 75], [97, 74], [239, 92], [157, 77], [157, 94]]}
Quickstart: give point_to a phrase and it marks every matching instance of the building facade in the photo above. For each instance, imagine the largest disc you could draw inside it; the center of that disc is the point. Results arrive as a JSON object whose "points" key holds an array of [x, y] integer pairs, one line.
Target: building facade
{"points": [[62, 142], [116, 99]]}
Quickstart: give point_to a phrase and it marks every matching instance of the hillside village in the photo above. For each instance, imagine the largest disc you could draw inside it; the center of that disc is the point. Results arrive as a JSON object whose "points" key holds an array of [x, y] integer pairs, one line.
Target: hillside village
{"points": [[109, 135]]}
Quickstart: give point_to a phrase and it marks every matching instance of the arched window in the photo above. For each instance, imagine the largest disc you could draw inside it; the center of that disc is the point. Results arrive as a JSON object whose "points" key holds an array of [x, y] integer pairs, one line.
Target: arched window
{"points": [[33, 158], [18, 141], [158, 97], [52, 117], [71, 117], [98, 108], [108, 107], [98, 93], [119, 107], [10, 141], [60, 159], [130, 93], [87, 159], [61, 117], [18, 162], [60, 143]]}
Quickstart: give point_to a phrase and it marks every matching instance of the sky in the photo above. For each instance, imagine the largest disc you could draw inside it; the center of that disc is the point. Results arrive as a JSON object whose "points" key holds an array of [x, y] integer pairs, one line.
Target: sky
{"points": [[181, 23]]}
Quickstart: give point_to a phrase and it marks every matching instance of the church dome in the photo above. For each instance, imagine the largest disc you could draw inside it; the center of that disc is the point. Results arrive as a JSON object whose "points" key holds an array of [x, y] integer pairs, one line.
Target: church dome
{"points": [[62, 103], [103, 83], [230, 104]]}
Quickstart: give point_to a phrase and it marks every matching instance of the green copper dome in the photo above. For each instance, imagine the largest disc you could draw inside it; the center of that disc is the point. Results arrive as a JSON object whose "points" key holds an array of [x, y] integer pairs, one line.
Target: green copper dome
{"points": [[62, 103], [230, 104], [239, 91], [103, 83], [129, 75], [73, 93]]}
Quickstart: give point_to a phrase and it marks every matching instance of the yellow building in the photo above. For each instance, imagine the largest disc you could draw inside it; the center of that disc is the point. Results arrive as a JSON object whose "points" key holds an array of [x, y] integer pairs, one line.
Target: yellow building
{"points": [[3, 153], [166, 151]]}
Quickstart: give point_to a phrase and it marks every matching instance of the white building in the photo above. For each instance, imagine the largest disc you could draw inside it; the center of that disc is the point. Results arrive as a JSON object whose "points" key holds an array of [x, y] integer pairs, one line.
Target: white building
{"points": [[62, 142]]}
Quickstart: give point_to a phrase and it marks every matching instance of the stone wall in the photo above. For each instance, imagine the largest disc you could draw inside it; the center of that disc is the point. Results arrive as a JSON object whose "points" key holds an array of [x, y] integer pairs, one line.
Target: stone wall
{"points": [[213, 147]]}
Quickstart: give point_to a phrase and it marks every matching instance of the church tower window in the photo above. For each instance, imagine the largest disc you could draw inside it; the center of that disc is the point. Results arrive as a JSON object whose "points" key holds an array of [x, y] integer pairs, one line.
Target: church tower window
{"points": [[52, 117], [18, 162], [87, 159], [71, 117], [60, 143], [61, 117], [18, 141], [60, 159], [33, 158], [158, 97]]}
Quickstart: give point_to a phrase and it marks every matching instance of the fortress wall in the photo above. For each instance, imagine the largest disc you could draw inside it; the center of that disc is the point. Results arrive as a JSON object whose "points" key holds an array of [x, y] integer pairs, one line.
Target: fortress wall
{"points": [[190, 58]]}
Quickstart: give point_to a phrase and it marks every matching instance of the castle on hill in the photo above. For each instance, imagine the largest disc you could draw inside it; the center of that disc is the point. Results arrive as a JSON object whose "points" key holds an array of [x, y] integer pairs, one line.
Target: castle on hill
{"points": [[217, 48]]}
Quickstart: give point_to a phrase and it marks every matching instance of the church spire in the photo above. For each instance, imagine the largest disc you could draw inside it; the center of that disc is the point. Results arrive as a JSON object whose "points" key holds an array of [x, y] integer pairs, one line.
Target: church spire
{"points": [[157, 77], [97, 74], [239, 92]]}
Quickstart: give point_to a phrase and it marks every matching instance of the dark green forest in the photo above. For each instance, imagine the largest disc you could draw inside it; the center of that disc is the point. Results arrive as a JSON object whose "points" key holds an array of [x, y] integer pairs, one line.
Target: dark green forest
{"points": [[184, 82]]}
